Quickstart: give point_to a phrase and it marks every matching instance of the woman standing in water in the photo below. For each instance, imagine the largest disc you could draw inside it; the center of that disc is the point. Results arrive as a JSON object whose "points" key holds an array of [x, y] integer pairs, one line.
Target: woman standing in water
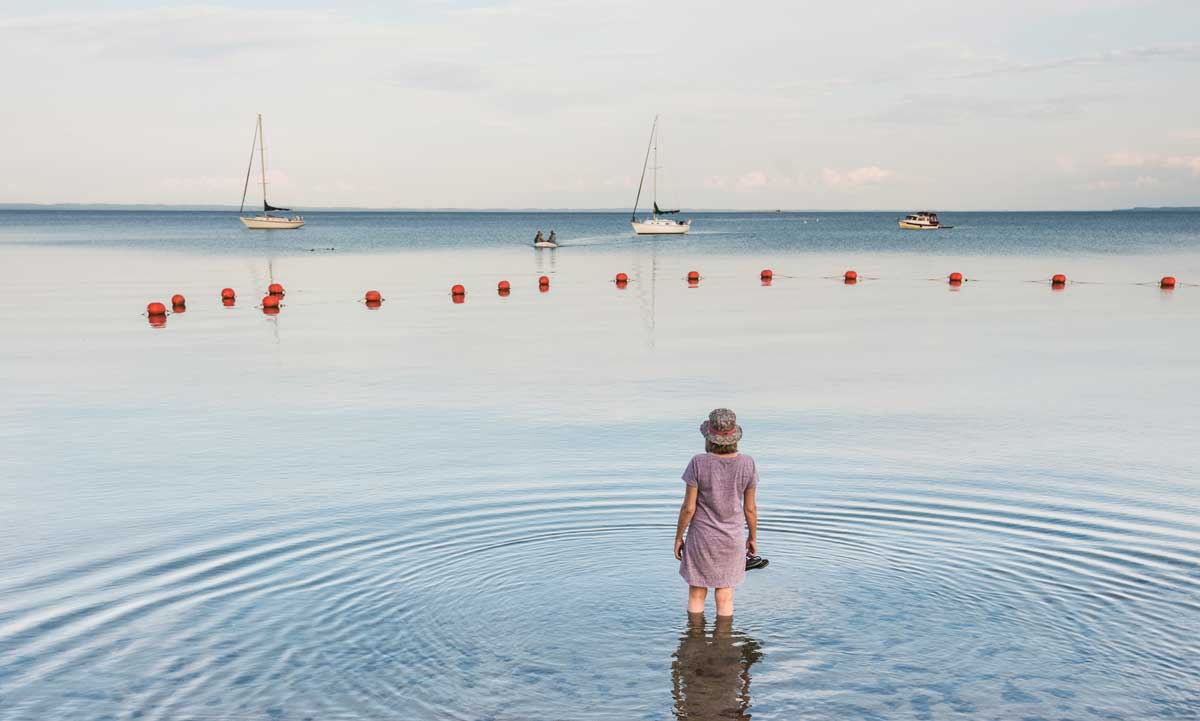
{"points": [[717, 505]]}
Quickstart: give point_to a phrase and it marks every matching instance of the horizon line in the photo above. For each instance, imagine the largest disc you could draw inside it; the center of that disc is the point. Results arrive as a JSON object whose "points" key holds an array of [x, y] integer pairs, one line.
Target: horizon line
{"points": [[204, 207]]}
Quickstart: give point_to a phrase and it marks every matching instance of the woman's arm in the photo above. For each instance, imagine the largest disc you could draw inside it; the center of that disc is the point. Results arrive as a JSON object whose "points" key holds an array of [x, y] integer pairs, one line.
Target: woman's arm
{"points": [[750, 508], [686, 511]]}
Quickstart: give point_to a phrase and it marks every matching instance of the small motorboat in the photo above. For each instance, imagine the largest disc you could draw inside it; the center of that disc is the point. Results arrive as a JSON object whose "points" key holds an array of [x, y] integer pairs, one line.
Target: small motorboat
{"points": [[922, 220], [541, 242]]}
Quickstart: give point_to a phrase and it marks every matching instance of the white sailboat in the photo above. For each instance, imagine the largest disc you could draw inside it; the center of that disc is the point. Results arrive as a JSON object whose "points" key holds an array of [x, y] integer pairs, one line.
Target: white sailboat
{"points": [[266, 221], [656, 224]]}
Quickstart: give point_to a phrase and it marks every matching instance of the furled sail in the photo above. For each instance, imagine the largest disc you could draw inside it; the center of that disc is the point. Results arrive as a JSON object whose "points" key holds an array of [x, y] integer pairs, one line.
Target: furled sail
{"points": [[267, 208], [660, 211]]}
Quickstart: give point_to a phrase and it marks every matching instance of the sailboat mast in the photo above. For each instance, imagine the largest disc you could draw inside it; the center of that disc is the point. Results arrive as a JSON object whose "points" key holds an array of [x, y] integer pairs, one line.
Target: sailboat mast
{"points": [[262, 161], [654, 190], [633, 215]]}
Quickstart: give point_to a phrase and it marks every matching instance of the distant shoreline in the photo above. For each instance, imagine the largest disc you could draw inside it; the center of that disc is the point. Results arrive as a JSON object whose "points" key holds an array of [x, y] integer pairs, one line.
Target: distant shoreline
{"points": [[168, 208]]}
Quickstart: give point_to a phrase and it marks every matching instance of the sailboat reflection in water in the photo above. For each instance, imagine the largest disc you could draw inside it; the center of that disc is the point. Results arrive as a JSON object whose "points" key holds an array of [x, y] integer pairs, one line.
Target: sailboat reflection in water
{"points": [[711, 674]]}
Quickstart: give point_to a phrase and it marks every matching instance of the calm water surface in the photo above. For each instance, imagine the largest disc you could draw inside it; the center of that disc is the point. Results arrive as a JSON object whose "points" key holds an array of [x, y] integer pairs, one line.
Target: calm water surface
{"points": [[978, 502]]}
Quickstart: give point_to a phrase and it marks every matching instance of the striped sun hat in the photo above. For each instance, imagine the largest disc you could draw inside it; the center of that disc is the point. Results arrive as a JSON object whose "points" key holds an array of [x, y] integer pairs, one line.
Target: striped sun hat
{"points": [[721, 428]]}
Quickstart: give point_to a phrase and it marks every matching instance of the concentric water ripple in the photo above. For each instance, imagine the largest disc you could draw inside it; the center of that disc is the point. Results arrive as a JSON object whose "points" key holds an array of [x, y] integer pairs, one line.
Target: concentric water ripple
{"points": [[537, 605]]}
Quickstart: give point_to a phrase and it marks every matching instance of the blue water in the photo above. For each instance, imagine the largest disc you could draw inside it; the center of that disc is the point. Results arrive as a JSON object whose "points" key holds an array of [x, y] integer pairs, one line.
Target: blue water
{"points": [[979, 501], [975, 233]]}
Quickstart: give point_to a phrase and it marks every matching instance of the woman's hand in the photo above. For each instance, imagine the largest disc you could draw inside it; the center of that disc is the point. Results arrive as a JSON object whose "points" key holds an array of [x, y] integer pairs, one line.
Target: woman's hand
{"points": [[678, 549], [752, 546]]}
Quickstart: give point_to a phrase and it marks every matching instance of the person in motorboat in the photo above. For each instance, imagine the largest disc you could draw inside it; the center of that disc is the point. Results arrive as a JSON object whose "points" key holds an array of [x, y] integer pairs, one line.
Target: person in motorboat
{"points": [[553, 238], [538, 238]]}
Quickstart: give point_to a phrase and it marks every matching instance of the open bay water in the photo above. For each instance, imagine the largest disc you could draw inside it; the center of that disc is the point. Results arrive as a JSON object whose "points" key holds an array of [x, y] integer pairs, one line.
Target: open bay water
{"points": [[978, 502]]}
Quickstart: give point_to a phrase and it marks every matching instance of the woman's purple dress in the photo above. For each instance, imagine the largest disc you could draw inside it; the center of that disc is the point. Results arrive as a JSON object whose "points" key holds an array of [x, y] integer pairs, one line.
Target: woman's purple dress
{"points": [[714, 554]]}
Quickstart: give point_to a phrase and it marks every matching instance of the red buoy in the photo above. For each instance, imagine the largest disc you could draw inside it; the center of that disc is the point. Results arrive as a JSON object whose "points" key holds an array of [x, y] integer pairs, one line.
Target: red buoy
{"points": [[1168, 281], [504, 285], [270, 301], [543, 280], [766, 274], [373, 296], [693, 275], [622, 278], [178, 300], [1058, 279], [956, 277], [275, 289], [458, 290], [227, 294], [156, 309], [850, 275]]}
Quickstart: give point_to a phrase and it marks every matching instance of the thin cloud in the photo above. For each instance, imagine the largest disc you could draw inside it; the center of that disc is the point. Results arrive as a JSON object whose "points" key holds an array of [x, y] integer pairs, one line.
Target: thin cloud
{"points": [[1126, 159], [930, 109], [856, 178], [753, 179], [1181, 52], [1191, 162]]}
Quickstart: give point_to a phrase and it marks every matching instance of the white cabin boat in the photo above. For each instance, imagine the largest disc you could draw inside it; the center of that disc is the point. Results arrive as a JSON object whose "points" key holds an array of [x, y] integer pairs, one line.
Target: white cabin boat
{"points": [[266, 221], [656, 224], [922, 220]]}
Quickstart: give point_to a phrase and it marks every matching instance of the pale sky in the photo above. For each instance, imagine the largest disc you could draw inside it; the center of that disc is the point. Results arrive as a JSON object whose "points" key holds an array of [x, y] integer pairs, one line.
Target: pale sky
{"points": [[943, 104]]}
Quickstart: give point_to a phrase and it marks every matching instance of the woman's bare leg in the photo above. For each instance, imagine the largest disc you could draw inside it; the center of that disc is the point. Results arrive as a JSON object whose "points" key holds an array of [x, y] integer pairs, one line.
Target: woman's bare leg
{"points": [[696, 596], [724, 598]]}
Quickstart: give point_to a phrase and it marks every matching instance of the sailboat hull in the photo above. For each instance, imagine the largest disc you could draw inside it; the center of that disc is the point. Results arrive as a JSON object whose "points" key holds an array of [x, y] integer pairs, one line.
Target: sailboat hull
{"points": [[659, 226], [265, 222]]}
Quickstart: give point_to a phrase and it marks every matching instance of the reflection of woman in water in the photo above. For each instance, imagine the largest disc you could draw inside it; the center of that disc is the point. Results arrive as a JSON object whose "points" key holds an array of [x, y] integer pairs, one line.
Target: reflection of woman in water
{"points": [[710, 677]]}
